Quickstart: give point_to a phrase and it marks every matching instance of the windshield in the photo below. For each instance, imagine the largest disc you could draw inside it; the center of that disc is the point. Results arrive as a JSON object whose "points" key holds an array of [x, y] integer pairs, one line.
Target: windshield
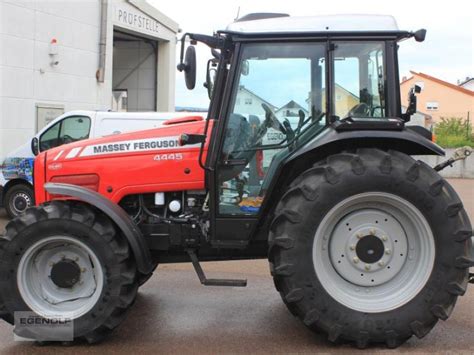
{"points": [[359, 79]]}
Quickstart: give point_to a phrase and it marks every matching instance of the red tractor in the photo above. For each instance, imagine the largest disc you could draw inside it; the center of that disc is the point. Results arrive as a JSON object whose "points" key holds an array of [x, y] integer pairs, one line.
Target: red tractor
{"points": [[305, 159]]}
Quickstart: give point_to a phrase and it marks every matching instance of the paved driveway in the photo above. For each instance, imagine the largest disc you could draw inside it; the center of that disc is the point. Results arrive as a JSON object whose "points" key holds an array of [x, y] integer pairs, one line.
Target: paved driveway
{"points": [[175, 314]]}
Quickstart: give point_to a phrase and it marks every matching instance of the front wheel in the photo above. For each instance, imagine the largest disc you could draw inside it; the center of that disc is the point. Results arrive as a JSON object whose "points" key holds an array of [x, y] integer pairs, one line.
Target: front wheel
{"points": [[370, 247], [65, 261]]}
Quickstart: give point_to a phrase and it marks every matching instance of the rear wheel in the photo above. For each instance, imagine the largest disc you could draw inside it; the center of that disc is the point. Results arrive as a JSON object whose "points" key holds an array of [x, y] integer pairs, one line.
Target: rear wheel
{"points": [[370, 247], [18, 199], [65, 260]]}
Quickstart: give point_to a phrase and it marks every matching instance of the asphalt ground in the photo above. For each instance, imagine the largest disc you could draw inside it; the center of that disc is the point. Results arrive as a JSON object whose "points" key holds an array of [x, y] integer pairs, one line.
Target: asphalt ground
{"points": [[175, 314]]}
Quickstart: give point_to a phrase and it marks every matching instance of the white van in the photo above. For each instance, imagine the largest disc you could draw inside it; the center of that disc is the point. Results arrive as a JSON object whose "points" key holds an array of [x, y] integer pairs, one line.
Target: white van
{"points": [[16, 171]]}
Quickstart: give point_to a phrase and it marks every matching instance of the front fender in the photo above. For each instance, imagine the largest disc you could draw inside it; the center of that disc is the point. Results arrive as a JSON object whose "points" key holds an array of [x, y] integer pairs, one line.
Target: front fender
{"points": [[116, 214]]}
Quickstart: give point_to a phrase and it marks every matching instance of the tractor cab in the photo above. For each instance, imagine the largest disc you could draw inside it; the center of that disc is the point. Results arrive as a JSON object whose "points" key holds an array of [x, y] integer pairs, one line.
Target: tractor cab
{"points": [[278, 83]]}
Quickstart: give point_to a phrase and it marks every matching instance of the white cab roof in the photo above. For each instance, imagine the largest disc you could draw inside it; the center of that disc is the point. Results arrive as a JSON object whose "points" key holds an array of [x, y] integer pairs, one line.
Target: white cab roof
{"points": [[328, 23]]}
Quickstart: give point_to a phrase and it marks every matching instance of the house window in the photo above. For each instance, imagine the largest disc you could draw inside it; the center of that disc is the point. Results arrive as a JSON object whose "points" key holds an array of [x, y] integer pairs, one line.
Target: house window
{"points": [[421, 84], [248, 101], [432, 105]]}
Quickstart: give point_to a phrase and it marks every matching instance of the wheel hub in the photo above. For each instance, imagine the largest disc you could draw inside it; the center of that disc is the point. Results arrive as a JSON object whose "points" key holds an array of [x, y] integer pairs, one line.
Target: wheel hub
{"points": [[368, 247], [66, 273]]}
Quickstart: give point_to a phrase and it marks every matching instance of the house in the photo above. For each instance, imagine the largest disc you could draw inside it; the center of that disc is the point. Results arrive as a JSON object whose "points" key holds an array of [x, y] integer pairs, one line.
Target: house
{"points": [[290, 111], [345, 100], [249, 103], [439, 98]]}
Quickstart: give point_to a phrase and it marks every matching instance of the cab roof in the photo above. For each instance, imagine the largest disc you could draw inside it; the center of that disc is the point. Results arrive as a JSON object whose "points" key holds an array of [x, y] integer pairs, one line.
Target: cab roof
{"points": [[275, 23], [261, 24]]}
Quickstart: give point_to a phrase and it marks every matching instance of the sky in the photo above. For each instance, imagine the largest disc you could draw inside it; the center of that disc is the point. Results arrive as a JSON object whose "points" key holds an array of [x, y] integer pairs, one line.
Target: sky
{"points": [[447, 52]]}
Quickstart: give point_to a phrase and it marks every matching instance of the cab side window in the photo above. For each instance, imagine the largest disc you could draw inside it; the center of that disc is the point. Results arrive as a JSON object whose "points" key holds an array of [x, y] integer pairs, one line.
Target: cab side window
{"points": [[359, 80], [71, 129]]}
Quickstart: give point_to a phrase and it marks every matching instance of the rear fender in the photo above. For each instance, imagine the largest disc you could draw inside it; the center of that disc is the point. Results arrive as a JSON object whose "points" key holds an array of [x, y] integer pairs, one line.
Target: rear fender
{"points": [[332, 142], [116, 214], [407, 141]]}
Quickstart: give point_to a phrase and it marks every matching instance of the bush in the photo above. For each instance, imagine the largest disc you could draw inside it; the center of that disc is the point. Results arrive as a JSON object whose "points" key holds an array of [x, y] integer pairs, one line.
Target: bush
{"points": [[454, 132]]}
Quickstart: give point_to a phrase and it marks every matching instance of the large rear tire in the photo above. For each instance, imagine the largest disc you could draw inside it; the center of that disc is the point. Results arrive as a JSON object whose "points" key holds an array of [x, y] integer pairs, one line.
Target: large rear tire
{"points": [[370, 247], [66, 260]]}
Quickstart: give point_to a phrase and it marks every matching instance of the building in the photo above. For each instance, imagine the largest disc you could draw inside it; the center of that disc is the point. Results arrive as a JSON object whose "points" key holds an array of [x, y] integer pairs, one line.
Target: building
{"points": [[439, 98], [291, 111], [345, 100], [248, 102], [57, 56]]}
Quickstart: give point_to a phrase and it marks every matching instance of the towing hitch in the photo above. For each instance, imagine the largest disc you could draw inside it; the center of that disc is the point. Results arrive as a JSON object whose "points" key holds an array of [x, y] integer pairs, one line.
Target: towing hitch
{"points": [[212, 282], [459, 154]]}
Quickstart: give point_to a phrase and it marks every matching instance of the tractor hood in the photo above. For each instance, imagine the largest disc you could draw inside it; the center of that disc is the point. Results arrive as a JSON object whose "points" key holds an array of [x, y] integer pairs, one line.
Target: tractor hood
{"points": [[146, 161], [165, 137]]}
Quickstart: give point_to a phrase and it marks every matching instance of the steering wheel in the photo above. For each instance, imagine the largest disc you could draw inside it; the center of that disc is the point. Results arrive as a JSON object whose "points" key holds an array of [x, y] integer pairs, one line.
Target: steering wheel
{"points": [[271, 121], [360, 110]]}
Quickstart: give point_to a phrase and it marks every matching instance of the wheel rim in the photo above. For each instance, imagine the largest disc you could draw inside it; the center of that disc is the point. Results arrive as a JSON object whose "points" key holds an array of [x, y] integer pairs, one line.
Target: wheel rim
{"points": [[20, 202], [373, 252], [60, 277]]}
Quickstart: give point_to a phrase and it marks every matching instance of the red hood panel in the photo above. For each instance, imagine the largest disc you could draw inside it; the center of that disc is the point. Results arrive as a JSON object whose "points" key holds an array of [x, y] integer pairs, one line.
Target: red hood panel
{"points": [[131, 163], [162, 138]]}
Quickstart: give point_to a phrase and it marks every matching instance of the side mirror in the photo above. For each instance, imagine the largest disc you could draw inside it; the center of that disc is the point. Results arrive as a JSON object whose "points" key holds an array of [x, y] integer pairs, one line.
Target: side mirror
{"points": [[189, 67], [420, 35], [35, 146], [411, 109]]}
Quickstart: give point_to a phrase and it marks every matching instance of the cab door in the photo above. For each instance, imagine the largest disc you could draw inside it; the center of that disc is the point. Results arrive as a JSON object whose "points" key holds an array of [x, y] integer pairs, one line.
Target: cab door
{"points": [[278, 96]]}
